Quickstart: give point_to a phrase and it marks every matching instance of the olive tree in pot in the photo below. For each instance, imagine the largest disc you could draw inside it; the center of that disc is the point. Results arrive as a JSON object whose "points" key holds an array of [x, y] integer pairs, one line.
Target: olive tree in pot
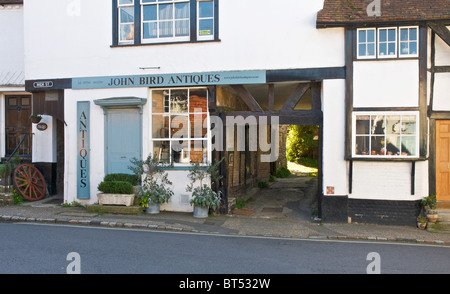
{"points": [[155, 188], [203, 197]]}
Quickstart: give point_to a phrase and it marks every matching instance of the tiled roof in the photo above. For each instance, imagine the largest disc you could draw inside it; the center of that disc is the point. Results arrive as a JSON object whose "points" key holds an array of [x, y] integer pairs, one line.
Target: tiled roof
{"points": [[11, 2], [341, 12], [12, 78]]}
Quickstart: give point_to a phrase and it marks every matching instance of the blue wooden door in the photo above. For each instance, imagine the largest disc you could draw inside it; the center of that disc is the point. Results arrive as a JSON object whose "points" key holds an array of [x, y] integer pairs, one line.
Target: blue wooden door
{"points": [[123, 140]]}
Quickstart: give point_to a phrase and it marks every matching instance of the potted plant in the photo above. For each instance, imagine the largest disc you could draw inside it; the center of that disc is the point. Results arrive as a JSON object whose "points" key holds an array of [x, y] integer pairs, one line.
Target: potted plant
{"points": [[35, 118], [429, 204], [115, 193], [204, 197], [422, 222], [155, 189]]}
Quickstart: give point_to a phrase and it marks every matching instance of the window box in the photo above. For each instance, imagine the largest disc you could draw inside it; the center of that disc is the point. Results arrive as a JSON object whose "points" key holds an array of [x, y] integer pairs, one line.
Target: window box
{"points": [[385, 135]]}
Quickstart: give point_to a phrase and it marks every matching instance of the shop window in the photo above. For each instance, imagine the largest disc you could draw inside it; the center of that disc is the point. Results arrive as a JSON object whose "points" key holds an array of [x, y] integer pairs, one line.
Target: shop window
{"points": [[164, 21], [389, 134], [179, 125]]}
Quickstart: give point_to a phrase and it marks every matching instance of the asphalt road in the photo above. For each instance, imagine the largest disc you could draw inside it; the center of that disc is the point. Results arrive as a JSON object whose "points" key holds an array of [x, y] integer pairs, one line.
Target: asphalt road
{"points": [[57, 249]]}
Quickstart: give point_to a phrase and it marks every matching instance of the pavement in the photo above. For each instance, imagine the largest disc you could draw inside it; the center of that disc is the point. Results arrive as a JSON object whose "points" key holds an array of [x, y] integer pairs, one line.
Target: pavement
{"points": [[283, 210]]}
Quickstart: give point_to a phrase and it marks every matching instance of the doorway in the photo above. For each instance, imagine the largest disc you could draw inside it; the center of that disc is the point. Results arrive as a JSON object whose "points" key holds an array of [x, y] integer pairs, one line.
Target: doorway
{"points": [[123, 140], [17, 124], [443, 160]]}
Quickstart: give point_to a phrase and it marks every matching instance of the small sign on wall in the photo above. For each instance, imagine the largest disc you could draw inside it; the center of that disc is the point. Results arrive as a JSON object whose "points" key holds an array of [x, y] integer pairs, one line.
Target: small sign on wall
{"points": [[83, 150]]}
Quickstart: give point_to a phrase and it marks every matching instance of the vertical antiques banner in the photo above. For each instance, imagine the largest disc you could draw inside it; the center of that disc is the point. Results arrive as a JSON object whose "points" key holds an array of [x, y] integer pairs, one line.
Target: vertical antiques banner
{"points": [[83, 150]]}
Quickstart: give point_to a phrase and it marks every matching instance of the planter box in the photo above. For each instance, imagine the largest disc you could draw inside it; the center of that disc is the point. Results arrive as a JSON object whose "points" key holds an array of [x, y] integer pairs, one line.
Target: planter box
{"points": [[115, 199]]}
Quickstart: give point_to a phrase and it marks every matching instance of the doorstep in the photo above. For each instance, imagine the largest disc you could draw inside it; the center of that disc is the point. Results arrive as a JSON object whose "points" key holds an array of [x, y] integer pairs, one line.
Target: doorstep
{"points": [[114, 209]]}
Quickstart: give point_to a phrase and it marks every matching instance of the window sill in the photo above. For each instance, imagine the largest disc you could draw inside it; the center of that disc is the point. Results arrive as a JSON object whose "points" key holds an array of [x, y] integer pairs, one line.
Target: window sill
{"points": [[164, 43], [386, 159]]}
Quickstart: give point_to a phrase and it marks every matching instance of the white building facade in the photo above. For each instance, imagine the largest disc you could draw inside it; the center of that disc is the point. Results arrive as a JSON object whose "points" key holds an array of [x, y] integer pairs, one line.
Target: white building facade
{"points": [[130, 73]]}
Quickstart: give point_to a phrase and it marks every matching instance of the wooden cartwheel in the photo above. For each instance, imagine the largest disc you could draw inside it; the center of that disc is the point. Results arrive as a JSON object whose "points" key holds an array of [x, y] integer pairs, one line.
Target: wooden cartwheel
{"points": [[29, 182]]}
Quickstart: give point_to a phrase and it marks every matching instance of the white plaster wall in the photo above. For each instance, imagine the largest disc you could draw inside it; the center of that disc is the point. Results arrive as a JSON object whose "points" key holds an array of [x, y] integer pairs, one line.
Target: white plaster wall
{"points": [[388, 180], [78, 43], [44, 142], [386, 83], [442, 56], [335, 171], [11, 34], [441, 95]]}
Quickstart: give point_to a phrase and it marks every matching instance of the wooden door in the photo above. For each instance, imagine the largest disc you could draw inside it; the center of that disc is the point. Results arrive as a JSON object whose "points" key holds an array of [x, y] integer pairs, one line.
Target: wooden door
{"points": [[17, 116], [443, 160], [123, 139]]}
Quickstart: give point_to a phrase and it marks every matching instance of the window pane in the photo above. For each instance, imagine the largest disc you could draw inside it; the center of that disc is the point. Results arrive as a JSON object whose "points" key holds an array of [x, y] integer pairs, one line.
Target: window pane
{"points": [[413, 48], [166, 11], [125, 2], [126, 32], [180, 151], [393, 145], [179, 101], [377, 124], [362, 50], [166, 29], [404, 35], [198, 151], [150, 30], [383, 49], [198, 100], [126, 14], [408, 145], [413, 34], [392, 35], [383, 36], [404, 48], [161, 150], [206, 9], [377, 145], [371, 36], [198, 123], [362, 145], [206, 27], [362, 36], [363, 125], [160, 126], [371, 49], [393, 124], [391, 47], [149, 12], [179, 126], [409, 124], [159, 101], [181, 28], [181, 10]]}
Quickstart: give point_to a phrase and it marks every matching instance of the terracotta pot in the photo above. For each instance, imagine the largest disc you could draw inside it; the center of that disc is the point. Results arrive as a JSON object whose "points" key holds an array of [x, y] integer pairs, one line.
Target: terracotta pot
{"points": [[432, 218], [421, 226]]}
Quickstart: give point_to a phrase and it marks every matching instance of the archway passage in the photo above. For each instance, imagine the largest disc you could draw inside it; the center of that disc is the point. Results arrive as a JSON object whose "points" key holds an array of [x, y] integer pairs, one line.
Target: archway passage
{"points": [[274, 105]]}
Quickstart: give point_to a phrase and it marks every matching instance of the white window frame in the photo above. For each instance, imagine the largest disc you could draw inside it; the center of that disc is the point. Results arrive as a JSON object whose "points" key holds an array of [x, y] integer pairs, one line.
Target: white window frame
{"points": [[385, 113], [119, 7], [159, 39], [207, 37], [374, 43], [387, 42], [189, 139], [409, 41]]}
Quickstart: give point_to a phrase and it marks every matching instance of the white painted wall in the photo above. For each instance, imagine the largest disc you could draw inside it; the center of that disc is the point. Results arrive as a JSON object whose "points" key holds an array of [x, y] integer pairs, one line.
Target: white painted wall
{"points": [[335, 171], [388, 180], [44, 142], [386, 83], [11, 34], [442, 52], [280, 36], [441, 95]]}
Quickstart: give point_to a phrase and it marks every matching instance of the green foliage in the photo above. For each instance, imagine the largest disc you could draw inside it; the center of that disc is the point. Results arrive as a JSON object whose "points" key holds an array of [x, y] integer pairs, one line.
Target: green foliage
{"points": [[240, 203], [115, 187], [283, 172], [17, 197], [272, 179], [132, 179], [155, 183], [203, 195], [300, 141], [263, 184], [429, 201]]}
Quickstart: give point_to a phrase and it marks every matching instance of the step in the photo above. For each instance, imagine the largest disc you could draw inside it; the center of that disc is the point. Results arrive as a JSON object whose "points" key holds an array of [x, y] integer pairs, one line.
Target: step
{"points": [[114, 209], [443, 205], [439, 227], [443, 215]]}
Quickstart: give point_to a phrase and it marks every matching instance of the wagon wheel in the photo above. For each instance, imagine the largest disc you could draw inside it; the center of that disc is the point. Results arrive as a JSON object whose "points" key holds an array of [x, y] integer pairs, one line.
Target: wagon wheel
{"points": [[29, 182]]}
